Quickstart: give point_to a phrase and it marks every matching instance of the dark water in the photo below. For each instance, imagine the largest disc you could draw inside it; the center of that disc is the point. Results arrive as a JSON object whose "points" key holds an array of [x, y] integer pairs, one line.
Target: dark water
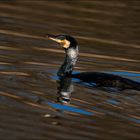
{"points": [[108, 33]]}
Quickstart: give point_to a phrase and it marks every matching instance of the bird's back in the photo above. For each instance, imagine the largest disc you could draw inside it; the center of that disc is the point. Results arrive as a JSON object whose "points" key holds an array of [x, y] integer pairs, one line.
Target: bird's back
{"points": [[107, 80]]}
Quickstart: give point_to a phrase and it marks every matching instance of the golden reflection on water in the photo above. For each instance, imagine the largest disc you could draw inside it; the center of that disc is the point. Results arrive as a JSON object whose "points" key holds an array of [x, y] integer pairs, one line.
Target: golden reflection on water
{"points": [[10, 95], [14, 73], [89, 55], [20, 34], [108, 36]]}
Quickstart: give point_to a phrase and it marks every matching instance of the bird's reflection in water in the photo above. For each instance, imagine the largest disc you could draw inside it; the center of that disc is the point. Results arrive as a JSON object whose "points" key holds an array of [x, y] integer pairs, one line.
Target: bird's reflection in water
{"points": [[65, 88]]}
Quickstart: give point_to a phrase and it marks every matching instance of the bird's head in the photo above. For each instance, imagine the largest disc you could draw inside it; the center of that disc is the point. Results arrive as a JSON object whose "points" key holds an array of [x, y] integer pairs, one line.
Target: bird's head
{"points": [[71, 48], [66, 41]]}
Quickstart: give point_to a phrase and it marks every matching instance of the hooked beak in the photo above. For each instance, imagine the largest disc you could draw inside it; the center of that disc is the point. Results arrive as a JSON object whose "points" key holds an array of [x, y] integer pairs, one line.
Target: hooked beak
{"points": [[54, 38], [63, 42]]}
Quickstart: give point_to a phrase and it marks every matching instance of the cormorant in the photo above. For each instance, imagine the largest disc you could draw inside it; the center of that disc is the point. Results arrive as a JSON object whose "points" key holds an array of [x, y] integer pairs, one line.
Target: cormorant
{"points": [[99, 79]]}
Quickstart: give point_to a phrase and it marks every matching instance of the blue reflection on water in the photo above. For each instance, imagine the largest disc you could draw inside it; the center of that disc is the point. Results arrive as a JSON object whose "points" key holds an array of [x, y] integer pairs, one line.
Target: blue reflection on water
{"points": [[132, 75], [55, 77], [89, 84], [113, 101], [3, 67], [137, 79], [70, 108], [125, 73], [134, 120], [115, 114], [136, 76], [76, 80]]}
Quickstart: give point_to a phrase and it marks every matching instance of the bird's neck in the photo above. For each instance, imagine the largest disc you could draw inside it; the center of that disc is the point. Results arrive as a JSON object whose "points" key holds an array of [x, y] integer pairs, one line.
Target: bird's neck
{"points": [[72, 53], [69, 62]]}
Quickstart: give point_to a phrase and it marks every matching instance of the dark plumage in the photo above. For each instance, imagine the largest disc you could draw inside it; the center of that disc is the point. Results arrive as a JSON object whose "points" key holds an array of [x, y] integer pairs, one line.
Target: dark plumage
{"points": [[100, 79], [107, 80]]}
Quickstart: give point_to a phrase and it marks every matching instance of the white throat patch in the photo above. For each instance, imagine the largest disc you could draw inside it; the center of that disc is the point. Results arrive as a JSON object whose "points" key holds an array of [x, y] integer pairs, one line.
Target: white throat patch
{"points": [[72, 53]]}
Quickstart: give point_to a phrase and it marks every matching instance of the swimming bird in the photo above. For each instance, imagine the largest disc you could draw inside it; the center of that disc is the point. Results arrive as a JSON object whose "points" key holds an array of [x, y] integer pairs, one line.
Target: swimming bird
{"points": [[99, 79]]}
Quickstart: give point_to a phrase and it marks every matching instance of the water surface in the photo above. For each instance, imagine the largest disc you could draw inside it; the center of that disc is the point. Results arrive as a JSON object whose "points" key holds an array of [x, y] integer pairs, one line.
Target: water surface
{"points": [[30, 101]]}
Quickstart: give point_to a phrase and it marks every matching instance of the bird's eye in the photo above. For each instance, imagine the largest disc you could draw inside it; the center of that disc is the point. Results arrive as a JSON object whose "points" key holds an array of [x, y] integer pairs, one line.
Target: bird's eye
{"points": [[61, 37]]}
